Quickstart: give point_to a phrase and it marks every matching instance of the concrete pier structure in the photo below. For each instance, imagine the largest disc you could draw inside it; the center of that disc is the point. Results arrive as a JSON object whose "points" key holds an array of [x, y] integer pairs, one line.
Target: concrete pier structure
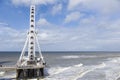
{"points": [[29, 73]]}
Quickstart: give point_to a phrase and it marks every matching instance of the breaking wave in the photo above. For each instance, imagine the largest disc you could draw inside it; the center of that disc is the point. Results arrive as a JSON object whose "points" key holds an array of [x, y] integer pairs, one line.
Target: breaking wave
{"points": [[77, 56], [112, 70], [72, 72], [70, 57], [2, 73], [107, 70]]}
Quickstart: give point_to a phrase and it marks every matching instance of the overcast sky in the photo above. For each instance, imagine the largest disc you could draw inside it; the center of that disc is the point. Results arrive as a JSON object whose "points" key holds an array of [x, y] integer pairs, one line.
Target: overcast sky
{"points": [[63, 25]]}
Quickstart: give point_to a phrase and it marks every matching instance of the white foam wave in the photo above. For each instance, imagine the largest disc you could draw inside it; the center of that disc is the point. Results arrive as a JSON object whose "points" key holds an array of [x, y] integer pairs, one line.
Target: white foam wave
{"points": [[54, 71], [78, 65], [2, 73], [112, 70], [10, 76], [77, 56], [58, 70], [102, 65], [70, 57], [109, 70], [72, 72], [87, 70], [88, 56], [115, 60]]}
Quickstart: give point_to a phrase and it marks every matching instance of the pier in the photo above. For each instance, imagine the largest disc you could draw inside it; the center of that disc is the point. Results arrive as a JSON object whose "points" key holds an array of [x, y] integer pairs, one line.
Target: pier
{"points": [[7, 68], [31, 64], [25, 71]]}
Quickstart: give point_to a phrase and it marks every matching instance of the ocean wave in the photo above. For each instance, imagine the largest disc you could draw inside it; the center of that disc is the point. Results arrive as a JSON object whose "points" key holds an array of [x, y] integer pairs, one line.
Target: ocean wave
{"points": [[114, 60], [87, 70], [58, 70], [72, 72], [70, 57], [78, 65], [77, 56], [7, 76], [2, 73], [110, 69]]}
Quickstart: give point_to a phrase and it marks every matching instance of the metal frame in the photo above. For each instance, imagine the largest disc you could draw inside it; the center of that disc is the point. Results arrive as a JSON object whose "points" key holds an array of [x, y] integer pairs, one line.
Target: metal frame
{"points": [[31, 55]]}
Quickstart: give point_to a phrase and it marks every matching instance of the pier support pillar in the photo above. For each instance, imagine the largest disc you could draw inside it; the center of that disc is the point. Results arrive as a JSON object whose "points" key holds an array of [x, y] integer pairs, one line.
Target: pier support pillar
{"points": [[41, 72], [29, 73]]}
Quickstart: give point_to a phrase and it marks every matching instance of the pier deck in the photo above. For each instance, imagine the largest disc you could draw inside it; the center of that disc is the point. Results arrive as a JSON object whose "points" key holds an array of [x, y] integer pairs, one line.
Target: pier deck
{"points": [[25, 71], [23, 67], [8, 68]]}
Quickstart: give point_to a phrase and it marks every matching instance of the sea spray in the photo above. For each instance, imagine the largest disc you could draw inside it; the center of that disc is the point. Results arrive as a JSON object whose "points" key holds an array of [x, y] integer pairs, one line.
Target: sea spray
{"points": [[2, 74]]}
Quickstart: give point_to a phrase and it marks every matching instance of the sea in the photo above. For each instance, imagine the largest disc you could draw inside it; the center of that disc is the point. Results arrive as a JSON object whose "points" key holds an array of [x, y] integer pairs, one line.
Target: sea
{"points": [[71, 65]]}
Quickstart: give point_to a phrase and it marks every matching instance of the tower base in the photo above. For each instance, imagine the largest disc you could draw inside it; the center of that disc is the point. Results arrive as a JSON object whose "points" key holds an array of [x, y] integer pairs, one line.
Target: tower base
{"points": [[29, 73]]}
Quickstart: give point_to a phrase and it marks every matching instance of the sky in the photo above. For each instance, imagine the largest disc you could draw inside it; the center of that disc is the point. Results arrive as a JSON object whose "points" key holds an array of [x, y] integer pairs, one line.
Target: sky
{"points": [[62, 25]]}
